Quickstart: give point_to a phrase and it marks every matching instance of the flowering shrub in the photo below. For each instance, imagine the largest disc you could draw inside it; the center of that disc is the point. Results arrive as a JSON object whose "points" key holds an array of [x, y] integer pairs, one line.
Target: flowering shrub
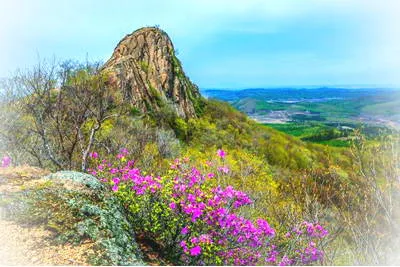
{"points": [[197, 221]]}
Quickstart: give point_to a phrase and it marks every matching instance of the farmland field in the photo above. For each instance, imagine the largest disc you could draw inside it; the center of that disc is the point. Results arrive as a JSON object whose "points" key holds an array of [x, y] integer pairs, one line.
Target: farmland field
{"points": [[324, 115]]}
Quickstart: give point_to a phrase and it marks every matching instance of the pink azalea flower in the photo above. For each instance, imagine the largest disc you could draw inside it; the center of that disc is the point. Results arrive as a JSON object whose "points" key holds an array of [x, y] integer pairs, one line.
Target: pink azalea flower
{"points": [[195, 251], [221, 153], [124, 151], [205, 238], [285, 261], [94, 155], [6, 162], [185, 230], [223, 169], [113, 171], [172, 205]]}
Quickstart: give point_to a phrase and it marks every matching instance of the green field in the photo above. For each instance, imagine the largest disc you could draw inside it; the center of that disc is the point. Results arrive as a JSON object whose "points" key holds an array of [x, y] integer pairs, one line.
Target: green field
{"points": [[316, 132], [325, 116], [298, 130], [331, 134]]}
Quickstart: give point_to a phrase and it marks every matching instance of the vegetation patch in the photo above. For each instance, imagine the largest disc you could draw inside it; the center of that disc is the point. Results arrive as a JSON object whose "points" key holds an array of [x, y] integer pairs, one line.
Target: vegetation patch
{"points": [[77, 209], [196, 221]]}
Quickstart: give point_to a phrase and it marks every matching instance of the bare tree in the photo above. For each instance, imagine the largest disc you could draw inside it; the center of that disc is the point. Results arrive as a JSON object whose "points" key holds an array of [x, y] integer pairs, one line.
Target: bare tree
{"points": [[374, 223], [61, 110]]}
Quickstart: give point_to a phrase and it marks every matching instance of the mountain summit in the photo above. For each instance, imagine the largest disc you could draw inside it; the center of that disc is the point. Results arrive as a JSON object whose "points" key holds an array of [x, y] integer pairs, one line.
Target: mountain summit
{"points": [[145, 67]]}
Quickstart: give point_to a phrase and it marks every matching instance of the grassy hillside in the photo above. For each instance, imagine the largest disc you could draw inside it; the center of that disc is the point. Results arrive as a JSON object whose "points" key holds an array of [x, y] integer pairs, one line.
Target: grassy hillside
{"points": [[174, 173]]}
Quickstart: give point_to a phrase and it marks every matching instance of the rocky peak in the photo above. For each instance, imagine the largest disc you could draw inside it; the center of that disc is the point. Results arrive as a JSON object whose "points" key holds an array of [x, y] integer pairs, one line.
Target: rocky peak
{"points": [[145, 67]]}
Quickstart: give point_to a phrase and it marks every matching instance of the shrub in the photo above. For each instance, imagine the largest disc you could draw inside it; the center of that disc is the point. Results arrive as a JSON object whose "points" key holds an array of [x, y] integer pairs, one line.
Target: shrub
{"points": [[197, 221]]}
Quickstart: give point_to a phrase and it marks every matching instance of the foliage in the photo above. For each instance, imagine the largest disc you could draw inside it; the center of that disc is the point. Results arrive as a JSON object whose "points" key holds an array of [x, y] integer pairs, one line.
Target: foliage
{"points": [[225, 127], [348, 188], [63, 111], [197, 221], [317, 133], [144, 66], [374, 223]]}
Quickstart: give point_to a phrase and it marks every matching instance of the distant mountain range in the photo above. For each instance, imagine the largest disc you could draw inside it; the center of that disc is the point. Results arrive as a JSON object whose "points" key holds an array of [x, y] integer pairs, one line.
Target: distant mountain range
{"points": [[292, 93]]}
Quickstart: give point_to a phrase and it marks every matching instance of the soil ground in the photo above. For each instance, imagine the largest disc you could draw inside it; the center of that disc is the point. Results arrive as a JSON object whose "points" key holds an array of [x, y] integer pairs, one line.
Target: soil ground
{"points": [[31, 245]]}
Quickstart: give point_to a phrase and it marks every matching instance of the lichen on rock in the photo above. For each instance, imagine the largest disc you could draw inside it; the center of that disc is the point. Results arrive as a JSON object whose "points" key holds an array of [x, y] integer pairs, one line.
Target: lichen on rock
{"points": [[77, 209]]}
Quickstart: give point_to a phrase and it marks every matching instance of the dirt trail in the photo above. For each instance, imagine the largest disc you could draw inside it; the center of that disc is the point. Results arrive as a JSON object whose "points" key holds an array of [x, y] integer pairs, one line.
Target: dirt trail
{"points": [[22, 245]]}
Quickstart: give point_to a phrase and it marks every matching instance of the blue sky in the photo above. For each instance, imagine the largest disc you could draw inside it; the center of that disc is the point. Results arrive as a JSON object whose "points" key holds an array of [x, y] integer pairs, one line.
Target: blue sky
{"points": [[222, 44]]}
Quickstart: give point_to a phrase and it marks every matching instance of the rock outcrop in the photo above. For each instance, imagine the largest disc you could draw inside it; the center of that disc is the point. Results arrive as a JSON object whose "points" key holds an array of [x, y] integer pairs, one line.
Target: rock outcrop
{"points": [[62, 218], [145, 67]]}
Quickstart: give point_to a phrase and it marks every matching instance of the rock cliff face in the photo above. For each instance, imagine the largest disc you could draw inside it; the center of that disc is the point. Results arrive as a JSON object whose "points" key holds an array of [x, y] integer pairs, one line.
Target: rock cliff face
{"points": [[145, 67]]}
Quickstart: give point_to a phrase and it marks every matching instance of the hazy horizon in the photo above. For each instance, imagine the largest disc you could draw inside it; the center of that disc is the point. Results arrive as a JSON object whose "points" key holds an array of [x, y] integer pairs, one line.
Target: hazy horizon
{"points": [[339, 86]]}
